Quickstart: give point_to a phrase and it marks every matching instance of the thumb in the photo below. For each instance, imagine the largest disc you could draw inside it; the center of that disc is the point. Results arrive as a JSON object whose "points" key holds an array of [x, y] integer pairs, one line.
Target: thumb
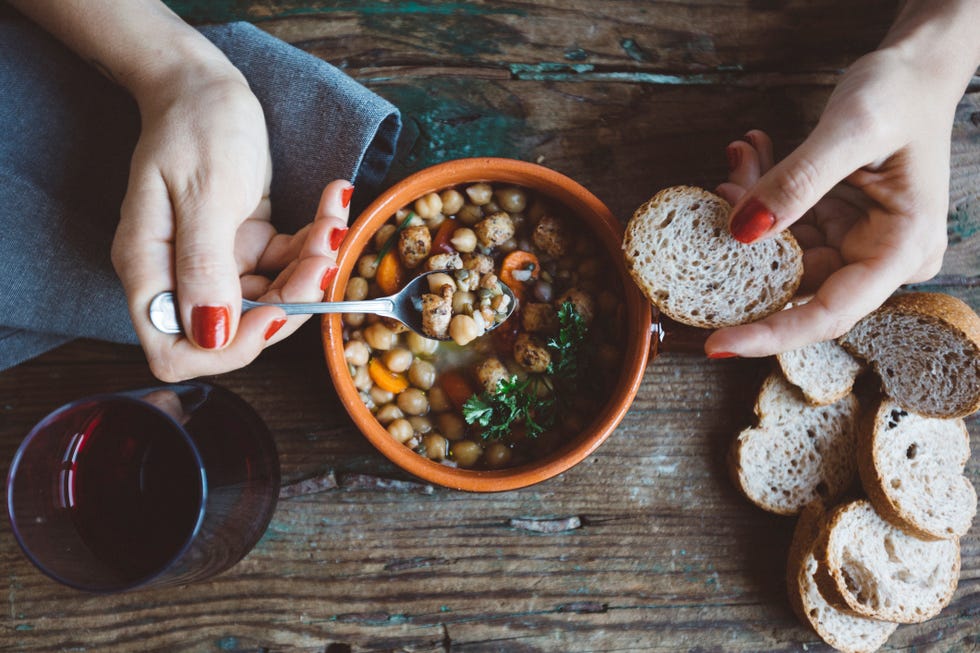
{"points": [[791, 188], [208, 287]]}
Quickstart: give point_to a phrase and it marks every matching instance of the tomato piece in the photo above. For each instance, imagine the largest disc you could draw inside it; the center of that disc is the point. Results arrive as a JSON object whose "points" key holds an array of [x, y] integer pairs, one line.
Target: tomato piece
{"points": [[441, 244]]}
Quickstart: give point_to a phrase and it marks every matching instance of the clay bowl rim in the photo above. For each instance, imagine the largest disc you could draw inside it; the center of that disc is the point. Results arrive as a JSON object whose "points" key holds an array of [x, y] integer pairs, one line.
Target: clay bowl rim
{"points": [[588, 208]]}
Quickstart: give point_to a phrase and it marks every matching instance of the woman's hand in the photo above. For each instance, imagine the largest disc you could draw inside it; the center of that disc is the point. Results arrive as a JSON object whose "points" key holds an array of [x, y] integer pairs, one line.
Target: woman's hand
{"points": [[866, 195], [196, 220]]}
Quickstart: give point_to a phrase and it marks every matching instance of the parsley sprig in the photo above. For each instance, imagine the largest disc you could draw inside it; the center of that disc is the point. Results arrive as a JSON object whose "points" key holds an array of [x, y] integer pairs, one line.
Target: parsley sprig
{"points": [[516, 401]]}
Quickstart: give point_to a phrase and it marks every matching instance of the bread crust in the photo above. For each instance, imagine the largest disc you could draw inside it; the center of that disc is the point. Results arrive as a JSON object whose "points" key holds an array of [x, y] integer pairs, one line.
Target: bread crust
{"points": [[716, 214]]}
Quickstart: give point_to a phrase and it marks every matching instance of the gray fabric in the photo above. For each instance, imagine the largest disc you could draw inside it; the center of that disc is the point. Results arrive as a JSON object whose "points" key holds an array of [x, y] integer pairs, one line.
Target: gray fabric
{"points": [[67, 137]]}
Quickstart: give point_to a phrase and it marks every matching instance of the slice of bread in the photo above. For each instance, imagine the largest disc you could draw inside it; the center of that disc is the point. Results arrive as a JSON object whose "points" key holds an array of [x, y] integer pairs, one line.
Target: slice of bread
{"points": [[926, 349], [824, 371], [680, 253], [912, 469], [798, 452], [842, 630], [882, 572]]}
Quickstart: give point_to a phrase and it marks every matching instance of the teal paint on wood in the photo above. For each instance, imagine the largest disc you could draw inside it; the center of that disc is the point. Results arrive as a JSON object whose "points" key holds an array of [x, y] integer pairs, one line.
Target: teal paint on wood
{"points": [[439, 126], [229, 10], [963, 222]]}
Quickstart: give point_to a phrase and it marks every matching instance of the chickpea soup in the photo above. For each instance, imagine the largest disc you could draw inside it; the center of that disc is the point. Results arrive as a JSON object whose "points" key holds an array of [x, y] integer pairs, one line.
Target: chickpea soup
{"points": [[487, 399]]}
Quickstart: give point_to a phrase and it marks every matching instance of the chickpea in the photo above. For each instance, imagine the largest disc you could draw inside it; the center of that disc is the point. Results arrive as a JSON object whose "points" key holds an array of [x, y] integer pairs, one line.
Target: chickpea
{"points": [[438, 401], [422, 374], [380, 337], [398, 359], [401, 429], [470, 214], [436, 447], [413, 402], [367, 266], [428, 206], [463, 302], [464, 239], [480, 193], [381, 396], [452, 201], [465, 452], [434, 223], [357, 289], [362, 380], [389, 413], [490, 207], [512, 200], [451, 425], [382, 235], [438, 280], [354, 319], [422, 425], [420, 345], [464, 330], [356, 353], [508, 246], [497, 455]]}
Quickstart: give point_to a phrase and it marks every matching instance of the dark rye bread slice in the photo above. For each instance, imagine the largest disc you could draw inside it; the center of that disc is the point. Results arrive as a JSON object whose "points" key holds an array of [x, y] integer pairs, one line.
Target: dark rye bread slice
{"points": [[842, 630], [682, 256], [926, 349], [798, 452], [912, 470], [877, 570]]}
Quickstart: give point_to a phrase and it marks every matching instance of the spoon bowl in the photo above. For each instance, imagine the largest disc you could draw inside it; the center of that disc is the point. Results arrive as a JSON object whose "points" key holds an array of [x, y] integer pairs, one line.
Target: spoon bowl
{"points": [[404, 306]]}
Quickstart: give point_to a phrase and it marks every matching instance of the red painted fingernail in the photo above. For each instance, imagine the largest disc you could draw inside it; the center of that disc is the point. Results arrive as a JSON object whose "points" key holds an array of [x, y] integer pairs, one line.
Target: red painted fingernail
{"points": [[328, 276], [274, 326], [210, 326], [734, 157], [752, 221], [345, 196], [337, 237], [722, 354]]}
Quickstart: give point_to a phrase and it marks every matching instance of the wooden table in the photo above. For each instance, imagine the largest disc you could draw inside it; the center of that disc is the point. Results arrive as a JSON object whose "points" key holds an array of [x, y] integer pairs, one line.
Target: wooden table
{"points": [[626, 97]]}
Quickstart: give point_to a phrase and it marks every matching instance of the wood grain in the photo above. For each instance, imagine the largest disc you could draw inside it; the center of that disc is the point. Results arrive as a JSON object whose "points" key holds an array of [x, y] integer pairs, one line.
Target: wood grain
{"points": [[646, 546]]}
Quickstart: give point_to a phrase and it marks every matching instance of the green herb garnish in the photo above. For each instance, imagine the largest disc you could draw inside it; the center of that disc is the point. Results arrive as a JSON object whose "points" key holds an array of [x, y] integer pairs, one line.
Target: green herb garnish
{"points": [[513, 401], [393, 237], [567, 346]]}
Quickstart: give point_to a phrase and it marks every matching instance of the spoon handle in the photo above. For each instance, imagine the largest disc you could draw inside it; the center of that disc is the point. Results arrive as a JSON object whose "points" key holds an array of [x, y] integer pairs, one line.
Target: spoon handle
{"points": [[381, 306], [163, 309]]}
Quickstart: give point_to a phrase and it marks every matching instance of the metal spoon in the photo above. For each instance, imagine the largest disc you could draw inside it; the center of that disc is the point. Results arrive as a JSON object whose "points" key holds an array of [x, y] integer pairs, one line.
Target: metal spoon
{"points": [[404, 306]]}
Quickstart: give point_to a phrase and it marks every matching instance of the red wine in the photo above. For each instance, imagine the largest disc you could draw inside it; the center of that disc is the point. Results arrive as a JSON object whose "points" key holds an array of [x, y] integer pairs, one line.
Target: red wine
{"points": [[133, 487]]}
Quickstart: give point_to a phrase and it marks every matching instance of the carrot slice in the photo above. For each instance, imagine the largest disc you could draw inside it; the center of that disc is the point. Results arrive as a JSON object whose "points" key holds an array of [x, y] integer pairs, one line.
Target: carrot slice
{"points": [[441, 242], [390, 275], [456, 387], [525, 265], [385, 378]]}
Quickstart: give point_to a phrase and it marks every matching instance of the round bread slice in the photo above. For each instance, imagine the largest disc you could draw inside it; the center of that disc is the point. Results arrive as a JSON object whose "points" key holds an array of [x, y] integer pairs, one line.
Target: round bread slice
{"points": [[680, 253], [798, 452], [824, 371], [912, 469], [882, 572], [842, 630], [926, 349]]}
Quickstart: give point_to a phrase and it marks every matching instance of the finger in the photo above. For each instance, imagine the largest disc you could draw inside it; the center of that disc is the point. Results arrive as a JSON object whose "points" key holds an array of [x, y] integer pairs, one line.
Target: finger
{"points": [[208, 289], [743, 164], [818, 264], [846, 296], [787, 191], [313, 267], [762, 144], [730, 192]]}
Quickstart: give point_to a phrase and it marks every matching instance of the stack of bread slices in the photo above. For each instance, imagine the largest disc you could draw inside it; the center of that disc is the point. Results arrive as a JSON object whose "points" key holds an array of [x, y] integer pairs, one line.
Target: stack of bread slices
{"points": [[877, 483]]}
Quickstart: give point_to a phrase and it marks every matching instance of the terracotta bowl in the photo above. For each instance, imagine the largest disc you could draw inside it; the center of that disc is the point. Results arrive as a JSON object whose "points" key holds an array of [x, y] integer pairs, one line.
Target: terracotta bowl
{"points": [[608, 231]]}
